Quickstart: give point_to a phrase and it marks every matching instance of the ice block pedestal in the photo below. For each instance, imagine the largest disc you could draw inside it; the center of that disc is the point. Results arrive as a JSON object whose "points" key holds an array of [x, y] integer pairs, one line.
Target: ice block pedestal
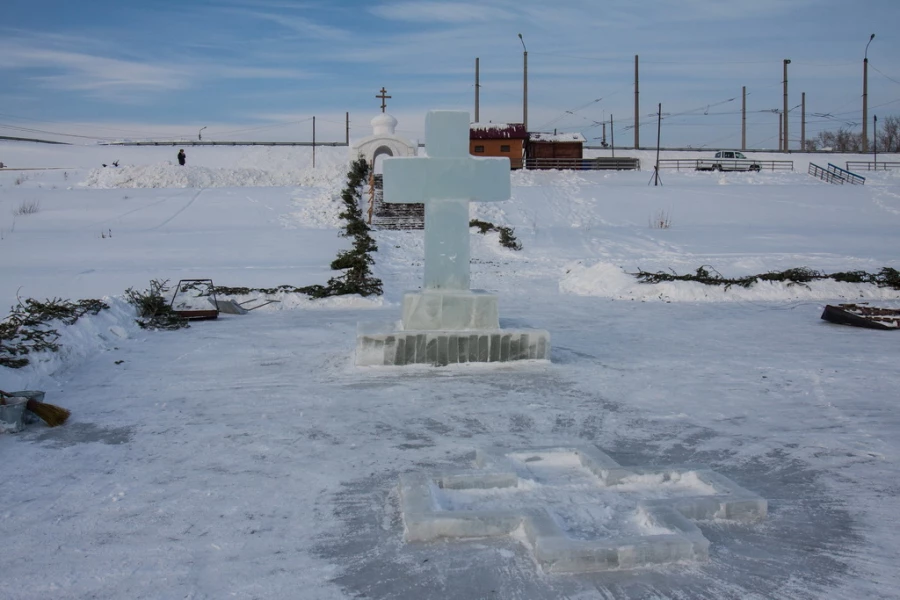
{"points": [[384, 344], [470, 309], [446, 322]]}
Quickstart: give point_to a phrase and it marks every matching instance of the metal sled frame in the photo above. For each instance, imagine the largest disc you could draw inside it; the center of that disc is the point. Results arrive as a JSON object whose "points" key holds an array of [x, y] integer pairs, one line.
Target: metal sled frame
{"points": [[186, 285], [232, 307]]}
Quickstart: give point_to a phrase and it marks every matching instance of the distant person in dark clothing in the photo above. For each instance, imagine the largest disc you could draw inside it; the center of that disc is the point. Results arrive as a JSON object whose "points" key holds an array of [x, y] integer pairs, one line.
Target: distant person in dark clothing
{"points": [[181, 157]]}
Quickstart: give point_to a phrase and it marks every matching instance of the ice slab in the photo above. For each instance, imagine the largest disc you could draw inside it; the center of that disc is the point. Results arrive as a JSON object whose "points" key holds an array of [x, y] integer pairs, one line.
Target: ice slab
{"points": [[386, 344], [576, 508], [445, 310]]}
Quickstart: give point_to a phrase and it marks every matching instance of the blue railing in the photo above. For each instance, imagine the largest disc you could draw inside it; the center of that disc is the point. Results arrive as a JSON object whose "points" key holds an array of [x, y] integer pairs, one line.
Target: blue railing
{"points": [[848, 176], [835, 174]]}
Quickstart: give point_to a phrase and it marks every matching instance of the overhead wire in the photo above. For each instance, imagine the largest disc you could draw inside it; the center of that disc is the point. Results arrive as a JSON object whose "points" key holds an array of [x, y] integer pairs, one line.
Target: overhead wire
{"points": [[30, 120], [47, 132], [263, 127], [888, 77]]}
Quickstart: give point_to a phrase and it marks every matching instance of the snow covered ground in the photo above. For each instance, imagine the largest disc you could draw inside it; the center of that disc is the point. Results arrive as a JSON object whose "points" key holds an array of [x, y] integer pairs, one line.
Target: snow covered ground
{"points": [[248, 457]]}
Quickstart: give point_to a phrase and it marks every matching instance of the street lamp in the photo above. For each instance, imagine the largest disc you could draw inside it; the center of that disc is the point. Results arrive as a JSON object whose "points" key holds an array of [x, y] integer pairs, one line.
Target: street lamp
{"points": [[199, 134], [865, 137], [525, 84], [787, 61]]}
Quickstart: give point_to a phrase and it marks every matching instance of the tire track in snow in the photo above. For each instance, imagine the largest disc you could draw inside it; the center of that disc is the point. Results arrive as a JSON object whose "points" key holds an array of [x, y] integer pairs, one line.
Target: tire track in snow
{"points": [[132, 211], [880, 191], [180, 210]]}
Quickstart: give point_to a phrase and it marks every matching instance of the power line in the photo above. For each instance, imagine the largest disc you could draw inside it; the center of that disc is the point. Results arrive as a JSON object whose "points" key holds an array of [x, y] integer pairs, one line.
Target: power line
{"points": [[29, 120], [572, 111], [44, 131], [264, 127], [603, 59], [884, 75]]}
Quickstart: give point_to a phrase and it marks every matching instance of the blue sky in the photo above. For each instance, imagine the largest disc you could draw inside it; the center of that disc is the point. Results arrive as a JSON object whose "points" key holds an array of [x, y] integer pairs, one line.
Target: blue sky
{"points": [[261, 69]]}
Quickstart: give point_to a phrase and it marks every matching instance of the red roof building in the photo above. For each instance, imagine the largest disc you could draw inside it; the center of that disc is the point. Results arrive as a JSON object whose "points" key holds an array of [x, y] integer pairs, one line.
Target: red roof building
{"points": [[499, 139]]}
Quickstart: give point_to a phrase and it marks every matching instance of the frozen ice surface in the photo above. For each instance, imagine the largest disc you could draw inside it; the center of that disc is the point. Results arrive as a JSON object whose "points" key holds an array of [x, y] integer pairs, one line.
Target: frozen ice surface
{"points": [[576, 508], [446, 181], [750, 381]]}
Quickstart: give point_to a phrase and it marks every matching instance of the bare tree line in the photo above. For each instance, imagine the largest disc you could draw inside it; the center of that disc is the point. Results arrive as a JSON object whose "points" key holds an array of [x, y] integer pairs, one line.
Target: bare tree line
{"points": [[844, 140]]}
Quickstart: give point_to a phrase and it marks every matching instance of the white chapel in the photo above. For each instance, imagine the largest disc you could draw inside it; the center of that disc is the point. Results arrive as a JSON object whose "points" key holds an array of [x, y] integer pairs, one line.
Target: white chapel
{"points": [[383, 141]]}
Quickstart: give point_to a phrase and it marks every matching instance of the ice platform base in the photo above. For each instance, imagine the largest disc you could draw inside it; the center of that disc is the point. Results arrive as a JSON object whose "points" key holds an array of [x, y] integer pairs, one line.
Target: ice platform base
{"points": [[387, 345]]}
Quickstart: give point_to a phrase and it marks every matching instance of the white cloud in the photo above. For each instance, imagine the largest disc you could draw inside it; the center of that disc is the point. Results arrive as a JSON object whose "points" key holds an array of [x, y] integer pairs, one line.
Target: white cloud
{"points": [[51, 66], [689, 10], [302, 25], [79, 71], [442, 12], [229, 72]]}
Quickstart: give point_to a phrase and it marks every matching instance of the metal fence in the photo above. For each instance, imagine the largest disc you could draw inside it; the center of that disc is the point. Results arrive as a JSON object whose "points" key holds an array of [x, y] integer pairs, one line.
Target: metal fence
{"points": [[198, 143], [707, 164], [585, 164], [37, 168], [859, 165]]}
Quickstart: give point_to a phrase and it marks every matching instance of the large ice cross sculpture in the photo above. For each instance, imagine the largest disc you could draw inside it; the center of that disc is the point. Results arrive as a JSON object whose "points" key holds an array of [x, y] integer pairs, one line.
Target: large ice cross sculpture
{"points": [[446, 181]]}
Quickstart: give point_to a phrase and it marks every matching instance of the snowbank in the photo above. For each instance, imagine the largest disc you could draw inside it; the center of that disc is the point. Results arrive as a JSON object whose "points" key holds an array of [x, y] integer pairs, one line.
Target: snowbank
{"points": [[610, 281], [90, 335], [167, 175], [292, 300]]}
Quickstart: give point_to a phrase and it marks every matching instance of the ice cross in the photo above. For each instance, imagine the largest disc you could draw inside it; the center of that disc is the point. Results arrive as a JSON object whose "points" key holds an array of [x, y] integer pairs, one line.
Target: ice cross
{"points": [[446, 181]]}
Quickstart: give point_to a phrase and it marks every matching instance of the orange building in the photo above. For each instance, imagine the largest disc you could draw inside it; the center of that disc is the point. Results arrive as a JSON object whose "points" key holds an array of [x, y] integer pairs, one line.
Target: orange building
{"points": [[499, 139]]}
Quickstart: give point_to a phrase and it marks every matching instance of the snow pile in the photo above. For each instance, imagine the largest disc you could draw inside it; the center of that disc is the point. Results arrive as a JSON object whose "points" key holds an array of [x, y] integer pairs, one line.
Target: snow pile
{"points": [[610, 281], [88, 336], [167, 175], [315, 208], [104, 332]]}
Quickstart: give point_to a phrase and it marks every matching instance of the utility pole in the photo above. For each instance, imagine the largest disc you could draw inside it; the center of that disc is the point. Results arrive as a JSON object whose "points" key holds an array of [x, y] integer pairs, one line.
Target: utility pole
{"points": [[524, 84], [744, 118], [477, 88], [658, 131], [637, 109], [612, 136], [865, 137], [803, 122], [787, 61], [314, 142], [603, 139]]}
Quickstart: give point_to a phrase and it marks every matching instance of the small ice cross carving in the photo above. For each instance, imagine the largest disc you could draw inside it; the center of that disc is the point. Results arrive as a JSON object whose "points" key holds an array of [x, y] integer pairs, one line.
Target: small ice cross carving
{"points": [[663, 532], [446, 181]]}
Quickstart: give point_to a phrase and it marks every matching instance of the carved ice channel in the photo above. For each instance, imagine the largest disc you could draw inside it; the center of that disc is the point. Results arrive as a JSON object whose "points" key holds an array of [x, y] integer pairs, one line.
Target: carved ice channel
{"points": [[576, 508], [577, 500]]}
